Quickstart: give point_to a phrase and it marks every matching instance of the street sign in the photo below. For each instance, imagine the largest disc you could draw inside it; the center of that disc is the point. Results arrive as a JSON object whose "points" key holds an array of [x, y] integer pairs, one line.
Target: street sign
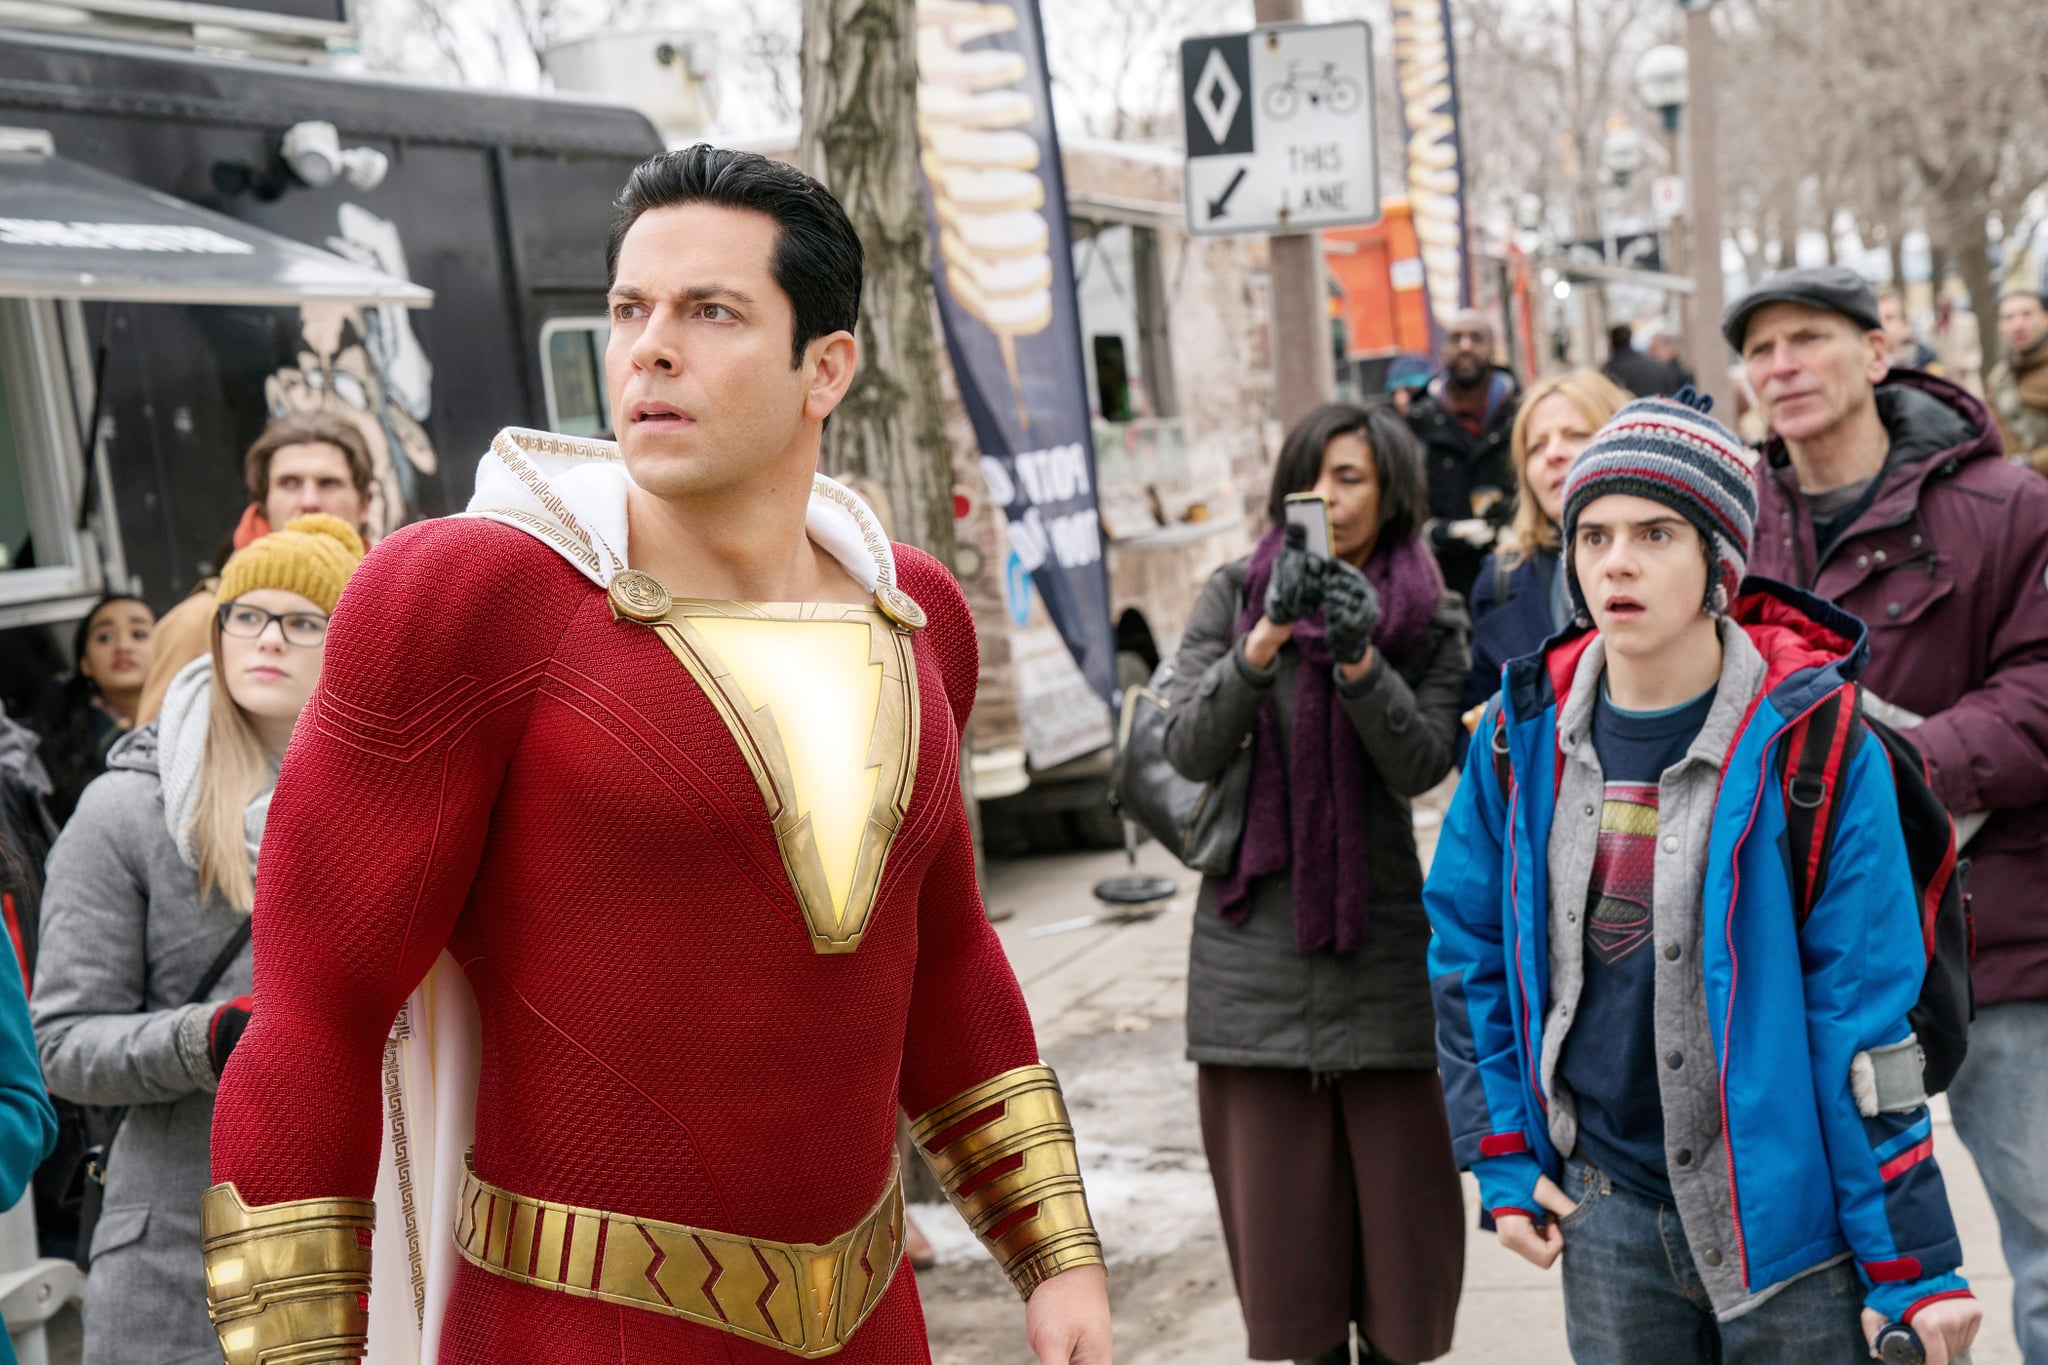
{"points": [[1667, 199], [1635, 250], [1280, 129]]}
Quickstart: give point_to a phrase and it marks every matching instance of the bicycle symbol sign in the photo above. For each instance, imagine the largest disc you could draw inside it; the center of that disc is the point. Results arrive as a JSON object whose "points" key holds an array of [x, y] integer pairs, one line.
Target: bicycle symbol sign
{"points": [[1280, 129], [1304, 88]]}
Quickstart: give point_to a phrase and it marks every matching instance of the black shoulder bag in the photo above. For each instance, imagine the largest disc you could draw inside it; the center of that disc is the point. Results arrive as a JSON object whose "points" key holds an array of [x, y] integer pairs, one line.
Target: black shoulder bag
{"points": [[89, 1180]]}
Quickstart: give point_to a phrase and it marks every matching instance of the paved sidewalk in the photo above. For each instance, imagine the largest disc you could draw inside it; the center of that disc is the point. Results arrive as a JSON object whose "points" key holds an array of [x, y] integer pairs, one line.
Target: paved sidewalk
{"points": [[1109, 1004]]}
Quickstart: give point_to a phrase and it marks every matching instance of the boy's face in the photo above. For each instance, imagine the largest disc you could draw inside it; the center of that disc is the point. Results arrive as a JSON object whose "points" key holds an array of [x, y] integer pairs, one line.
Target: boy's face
{"points": [[1643, 570]]}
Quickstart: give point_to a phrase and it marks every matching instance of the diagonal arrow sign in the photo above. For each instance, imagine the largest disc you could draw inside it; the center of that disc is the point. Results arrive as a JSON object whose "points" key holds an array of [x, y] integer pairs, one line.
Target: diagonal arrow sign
{"points": [[1216, 205]]}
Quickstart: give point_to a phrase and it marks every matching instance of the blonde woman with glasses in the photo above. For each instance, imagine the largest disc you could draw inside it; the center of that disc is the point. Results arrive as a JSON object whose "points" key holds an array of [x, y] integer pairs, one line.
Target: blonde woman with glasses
{"points": [[142, 985], [1519, 599]]}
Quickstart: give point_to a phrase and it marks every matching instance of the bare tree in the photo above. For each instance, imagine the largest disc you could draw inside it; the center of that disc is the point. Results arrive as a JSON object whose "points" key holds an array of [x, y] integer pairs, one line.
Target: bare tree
{"points": [[860, 138], [1869, 106]]}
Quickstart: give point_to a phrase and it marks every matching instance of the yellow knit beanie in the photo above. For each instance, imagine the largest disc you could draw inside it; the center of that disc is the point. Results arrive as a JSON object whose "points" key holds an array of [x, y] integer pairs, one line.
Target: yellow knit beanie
{"points": [[312, 556]]}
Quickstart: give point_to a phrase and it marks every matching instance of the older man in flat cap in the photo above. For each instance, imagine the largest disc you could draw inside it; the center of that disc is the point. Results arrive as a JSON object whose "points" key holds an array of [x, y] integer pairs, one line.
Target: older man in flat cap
{"points": [[1885, 491]]}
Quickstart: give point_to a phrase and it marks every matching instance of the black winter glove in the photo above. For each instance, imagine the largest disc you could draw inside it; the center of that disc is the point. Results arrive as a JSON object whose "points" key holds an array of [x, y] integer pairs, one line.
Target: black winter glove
{"points": [[1294, 591], [1351, 608], [225, 1031]]}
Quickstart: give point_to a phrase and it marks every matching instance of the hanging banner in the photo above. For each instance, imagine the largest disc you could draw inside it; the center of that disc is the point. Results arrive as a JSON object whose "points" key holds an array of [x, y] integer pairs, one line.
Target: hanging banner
{"points": [[1426, 71], [996, 207]]}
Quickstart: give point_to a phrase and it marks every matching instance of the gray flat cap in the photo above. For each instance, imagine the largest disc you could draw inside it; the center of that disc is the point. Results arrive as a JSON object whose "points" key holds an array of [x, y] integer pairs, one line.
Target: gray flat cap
{"points": [[1836, 288]]}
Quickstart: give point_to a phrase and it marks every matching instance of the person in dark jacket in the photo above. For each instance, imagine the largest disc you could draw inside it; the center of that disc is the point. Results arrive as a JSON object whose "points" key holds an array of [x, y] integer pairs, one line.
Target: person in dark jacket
{"points": [[1642, 375], [1462, 421], [87, 712], [1885, 492], [1519, 599], [1308, 1003]]}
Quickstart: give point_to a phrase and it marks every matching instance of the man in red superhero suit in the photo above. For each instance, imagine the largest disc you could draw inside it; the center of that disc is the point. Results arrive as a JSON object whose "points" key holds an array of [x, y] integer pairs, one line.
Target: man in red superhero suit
{"points": [[661, 745]]}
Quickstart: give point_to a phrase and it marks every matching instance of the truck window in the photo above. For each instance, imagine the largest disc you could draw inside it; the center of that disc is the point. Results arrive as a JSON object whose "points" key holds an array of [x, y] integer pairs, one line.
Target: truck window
{"points": [[572, 372], [1121, 290], [41, 555]]}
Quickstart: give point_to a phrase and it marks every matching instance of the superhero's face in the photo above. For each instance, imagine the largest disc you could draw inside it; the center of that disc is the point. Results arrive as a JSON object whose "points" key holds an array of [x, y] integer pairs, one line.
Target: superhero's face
{"points": [[704, 396]]}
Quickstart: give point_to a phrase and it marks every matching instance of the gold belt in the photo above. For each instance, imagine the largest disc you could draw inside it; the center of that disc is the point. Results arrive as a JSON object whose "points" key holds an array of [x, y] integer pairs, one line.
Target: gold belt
{"points": [[797, 1297]]}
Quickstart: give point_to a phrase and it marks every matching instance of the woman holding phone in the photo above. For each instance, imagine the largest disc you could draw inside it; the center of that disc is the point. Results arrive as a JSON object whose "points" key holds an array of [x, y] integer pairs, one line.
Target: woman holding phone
{"points": [[1341, 661]]}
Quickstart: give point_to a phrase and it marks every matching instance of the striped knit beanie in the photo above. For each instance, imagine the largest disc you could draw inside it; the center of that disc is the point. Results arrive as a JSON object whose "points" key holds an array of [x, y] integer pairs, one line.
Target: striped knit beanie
{"points": [[1669, 451]]}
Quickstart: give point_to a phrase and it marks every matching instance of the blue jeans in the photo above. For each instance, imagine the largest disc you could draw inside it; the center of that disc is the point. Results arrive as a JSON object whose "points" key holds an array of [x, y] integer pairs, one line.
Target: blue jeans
{"points": [[2000, 1105], [1632, 1294]]}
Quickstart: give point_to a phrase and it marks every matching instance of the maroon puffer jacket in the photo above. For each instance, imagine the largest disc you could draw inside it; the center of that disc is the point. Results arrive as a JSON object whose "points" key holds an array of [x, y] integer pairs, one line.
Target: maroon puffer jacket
{"points": [[1948, 566]]}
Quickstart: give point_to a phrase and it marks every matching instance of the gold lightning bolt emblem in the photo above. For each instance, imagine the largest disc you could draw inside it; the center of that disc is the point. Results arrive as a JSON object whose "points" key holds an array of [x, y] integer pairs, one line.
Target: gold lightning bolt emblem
{"points": [[822, 700]]}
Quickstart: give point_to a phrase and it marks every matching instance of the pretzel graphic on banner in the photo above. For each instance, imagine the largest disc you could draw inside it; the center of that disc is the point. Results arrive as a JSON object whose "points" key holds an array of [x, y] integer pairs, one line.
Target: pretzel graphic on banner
{"points": [[982, 165]]}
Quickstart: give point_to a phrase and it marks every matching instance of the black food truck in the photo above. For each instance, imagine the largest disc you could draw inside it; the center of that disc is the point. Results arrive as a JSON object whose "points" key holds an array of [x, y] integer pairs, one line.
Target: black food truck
{"points": [[192, 243]]}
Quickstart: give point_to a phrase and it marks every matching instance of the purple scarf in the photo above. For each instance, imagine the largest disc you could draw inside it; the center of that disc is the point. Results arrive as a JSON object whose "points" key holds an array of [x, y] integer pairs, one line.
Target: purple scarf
{"points": [[1307, 814]]}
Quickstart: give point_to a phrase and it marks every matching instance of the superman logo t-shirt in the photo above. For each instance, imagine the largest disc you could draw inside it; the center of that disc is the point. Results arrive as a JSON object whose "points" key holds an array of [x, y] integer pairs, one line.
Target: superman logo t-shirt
{"points": [[1609, 1061]]}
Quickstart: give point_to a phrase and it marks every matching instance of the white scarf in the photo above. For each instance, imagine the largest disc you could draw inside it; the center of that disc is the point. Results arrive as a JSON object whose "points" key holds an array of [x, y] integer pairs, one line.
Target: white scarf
{"points": [[181, 755]]}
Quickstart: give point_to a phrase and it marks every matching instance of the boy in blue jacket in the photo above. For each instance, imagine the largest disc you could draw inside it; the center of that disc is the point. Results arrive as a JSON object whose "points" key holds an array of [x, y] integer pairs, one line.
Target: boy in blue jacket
{"points": [[1647, 1058]]}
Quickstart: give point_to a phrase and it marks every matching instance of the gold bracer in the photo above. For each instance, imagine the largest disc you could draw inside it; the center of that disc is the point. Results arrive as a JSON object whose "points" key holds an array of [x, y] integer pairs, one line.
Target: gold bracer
{"points": [[1004, 1153], [799, 1297], [287, 1284]]}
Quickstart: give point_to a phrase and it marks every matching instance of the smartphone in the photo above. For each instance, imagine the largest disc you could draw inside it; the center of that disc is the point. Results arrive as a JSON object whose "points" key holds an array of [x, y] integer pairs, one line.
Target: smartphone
{"points": [[1311, 512]]}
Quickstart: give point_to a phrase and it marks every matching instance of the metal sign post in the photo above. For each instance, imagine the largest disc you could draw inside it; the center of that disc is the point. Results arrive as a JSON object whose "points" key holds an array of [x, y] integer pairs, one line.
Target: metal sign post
{"points": [[1280, 129]]}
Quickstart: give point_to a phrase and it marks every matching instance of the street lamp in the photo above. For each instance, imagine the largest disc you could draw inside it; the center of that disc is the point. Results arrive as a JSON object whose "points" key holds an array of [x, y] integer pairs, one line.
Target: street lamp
{"points": [[1661, 82]]}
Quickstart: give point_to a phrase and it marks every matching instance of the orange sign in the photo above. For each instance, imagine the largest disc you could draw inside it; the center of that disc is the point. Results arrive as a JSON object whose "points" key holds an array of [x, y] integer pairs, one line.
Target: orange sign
{"points": [[1378, 269]]}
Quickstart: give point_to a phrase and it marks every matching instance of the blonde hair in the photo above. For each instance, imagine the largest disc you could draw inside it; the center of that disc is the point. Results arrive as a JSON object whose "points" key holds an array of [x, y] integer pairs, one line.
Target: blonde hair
{"points": [[1597, 398], [232, 770]]}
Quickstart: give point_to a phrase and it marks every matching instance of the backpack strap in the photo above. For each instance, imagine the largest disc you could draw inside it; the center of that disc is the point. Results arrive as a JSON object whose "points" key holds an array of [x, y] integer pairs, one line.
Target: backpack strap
{"points": [[1812, 757]]}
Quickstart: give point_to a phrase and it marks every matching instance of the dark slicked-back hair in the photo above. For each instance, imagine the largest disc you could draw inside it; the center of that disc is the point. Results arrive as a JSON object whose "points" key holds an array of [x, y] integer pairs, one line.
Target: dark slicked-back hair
{"points": [[817, 253], [1396, 464]]}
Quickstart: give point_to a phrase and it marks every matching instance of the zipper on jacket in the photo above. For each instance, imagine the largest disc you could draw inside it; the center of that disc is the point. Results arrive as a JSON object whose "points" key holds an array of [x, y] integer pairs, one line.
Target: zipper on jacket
{"points": [[1514, 795], [1734, 965]]}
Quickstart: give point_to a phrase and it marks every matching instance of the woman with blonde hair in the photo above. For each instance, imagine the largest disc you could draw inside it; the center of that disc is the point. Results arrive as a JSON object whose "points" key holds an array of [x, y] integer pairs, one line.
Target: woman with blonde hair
{"points": [[1520, 599], [142, 985]]}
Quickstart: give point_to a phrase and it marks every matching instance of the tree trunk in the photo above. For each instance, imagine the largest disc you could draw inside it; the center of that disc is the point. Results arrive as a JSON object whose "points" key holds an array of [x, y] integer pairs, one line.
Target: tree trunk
{"points": [[888, 437], [859, 60], [1973, 263]]}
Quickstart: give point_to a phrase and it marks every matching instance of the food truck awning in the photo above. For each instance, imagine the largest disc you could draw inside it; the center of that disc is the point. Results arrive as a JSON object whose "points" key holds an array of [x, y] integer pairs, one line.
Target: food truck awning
{"points": [[69, 231]]}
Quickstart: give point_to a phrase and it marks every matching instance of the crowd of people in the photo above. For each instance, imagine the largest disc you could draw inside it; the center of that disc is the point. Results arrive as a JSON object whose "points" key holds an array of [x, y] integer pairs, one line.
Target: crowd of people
{"points": [[1665, 990], [1668, 1054]]}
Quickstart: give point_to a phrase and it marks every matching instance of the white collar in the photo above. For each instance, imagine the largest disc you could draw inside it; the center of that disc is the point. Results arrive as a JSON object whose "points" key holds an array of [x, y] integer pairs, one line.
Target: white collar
{"points": [[570, 493]]}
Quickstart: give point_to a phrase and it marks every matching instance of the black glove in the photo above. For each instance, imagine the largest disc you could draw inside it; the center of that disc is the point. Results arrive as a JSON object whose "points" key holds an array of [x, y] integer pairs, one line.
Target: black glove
{"points": [[1351, 608], [225, 1031], [1294, 591]]}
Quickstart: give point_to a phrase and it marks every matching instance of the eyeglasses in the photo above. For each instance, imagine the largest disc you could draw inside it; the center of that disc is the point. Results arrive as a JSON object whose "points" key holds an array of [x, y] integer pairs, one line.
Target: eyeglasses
{"points": [[306, 629]]}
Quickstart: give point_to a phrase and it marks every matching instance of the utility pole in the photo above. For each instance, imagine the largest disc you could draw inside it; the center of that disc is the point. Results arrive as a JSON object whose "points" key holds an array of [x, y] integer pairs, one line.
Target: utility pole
{"points": [[1303, 372], [1709, 352]]}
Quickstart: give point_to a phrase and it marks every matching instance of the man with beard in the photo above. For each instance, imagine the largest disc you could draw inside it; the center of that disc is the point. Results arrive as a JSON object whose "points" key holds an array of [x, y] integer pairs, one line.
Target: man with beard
{"points": [[1463, 422]]}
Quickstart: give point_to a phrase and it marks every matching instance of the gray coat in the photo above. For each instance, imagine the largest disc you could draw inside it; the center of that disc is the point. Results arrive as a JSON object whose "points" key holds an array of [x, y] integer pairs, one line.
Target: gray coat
{"points": [[1253, 999], [126, 938]]}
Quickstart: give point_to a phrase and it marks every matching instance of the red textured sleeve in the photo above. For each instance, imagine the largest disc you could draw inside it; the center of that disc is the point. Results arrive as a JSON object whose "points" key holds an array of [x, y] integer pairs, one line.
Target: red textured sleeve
{"points": [[373, 837], [968, 1020], [949, 626]]}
